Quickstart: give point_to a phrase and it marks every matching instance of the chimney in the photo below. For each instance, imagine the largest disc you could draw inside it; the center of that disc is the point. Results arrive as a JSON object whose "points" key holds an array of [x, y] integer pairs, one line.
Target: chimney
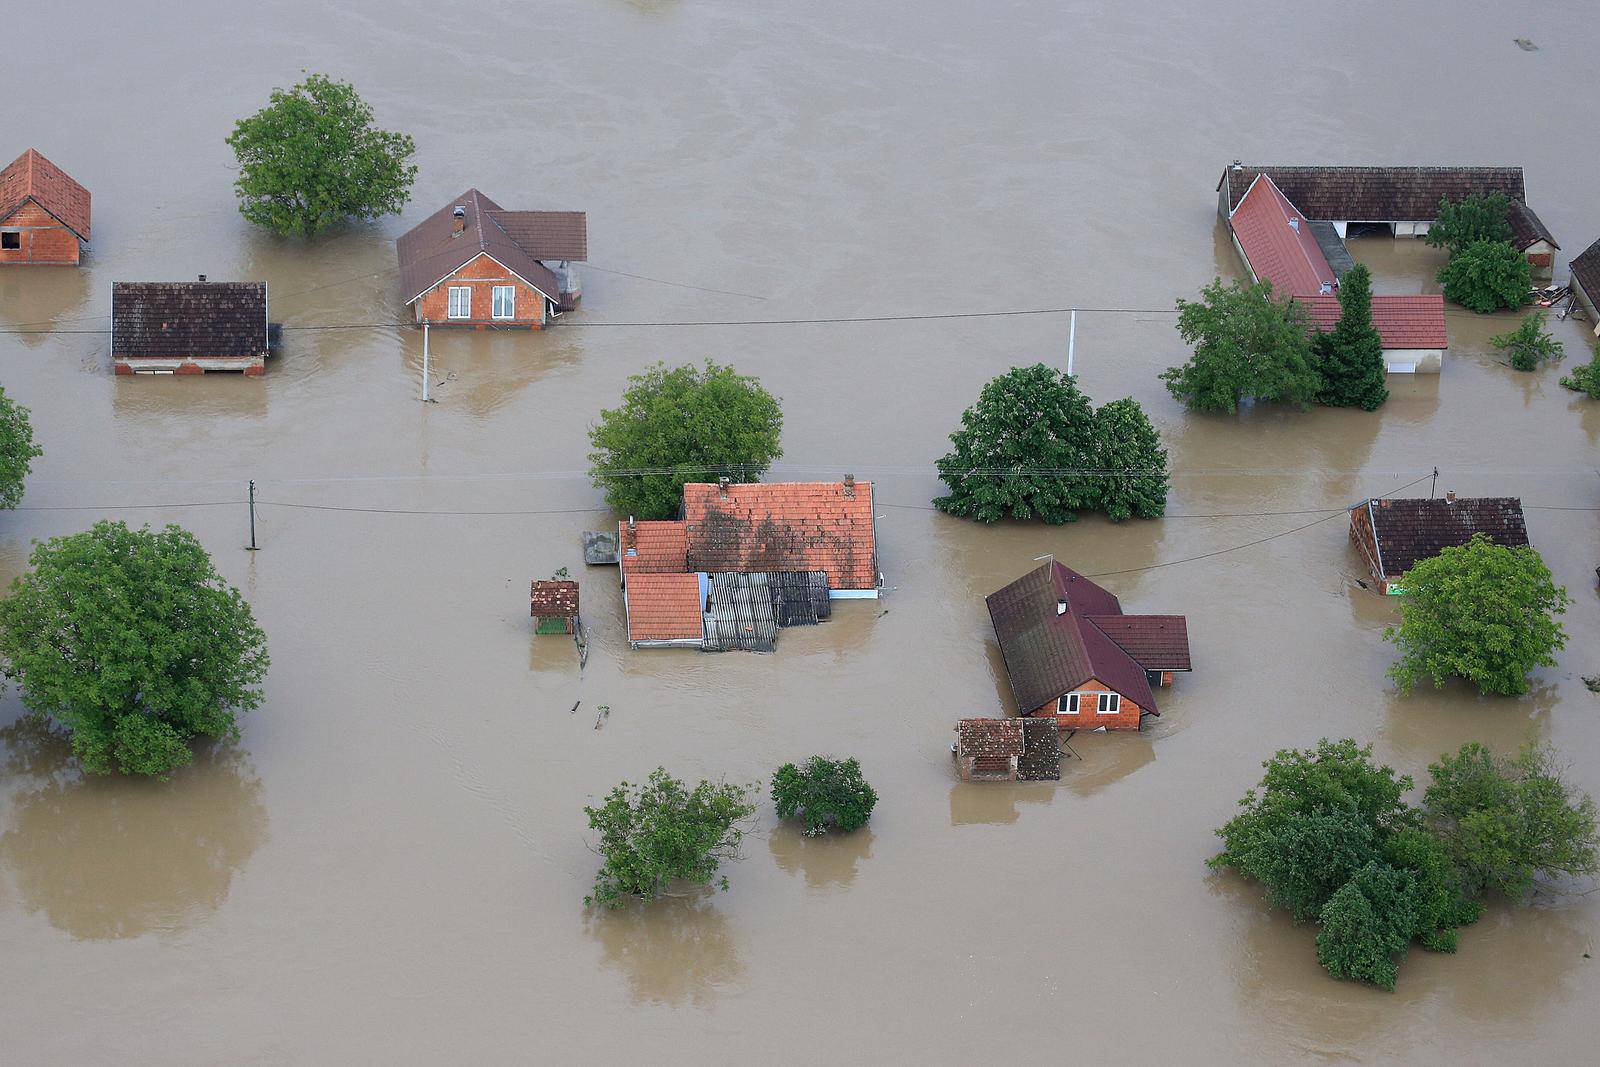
{"points": [[850, 485], [1238, 164], [1061, 605], [459, 226], [1383, 503], [722, 486], [202, 277], [633, 524], [1450, 497], [1294, 224]]}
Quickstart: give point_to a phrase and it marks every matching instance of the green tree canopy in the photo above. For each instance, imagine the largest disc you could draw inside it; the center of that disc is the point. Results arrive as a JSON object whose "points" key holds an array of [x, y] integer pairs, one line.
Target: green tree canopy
{"points": [[1528, 343], [313, 157], [133, 642], [1486, 276], [1585, 377], [1507, 821], [1479, 611], [1367, 924], [1472, 218], [1247, 346], [17, 450], [1350, 356], [660, 832], [678, 425], [825, 793], [1128, 451]]}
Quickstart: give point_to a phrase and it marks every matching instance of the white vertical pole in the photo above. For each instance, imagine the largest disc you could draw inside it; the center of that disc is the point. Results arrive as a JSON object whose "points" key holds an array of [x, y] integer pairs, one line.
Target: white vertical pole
{"points": [[1072, 339], [424, 362]]}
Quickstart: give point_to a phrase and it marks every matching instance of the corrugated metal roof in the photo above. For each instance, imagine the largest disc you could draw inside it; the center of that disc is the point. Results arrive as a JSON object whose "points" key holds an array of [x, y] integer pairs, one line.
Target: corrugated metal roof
{"points": [[739, 614]]}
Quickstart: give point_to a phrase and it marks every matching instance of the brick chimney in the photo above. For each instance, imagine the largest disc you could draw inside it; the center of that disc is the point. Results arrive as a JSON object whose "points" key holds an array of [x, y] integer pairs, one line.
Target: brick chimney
{"points": [[1450, 496], [459, 225], [723, 481], [850, 486]]}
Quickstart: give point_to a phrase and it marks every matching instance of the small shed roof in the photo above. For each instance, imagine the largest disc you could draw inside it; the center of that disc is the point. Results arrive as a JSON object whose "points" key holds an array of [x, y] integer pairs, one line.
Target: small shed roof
{"points": [[665, 607], [1586, 271], [1403, 321], [32, 177], [197, 319], [554, 599], [1528, 228], [600, 547], [1041, 750], [989, 737], [1410, 529]]}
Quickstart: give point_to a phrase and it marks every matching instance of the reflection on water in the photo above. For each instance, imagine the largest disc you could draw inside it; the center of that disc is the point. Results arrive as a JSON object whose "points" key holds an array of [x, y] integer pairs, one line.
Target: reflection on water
{"points": [[995, 803], [42, 298], [1092, 761], [480, 372], [827, 861], [672, 951], [107, 858]]}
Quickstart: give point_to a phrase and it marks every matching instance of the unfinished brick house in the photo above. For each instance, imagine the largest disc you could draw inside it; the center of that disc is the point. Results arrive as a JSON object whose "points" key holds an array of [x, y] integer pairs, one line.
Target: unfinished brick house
{"points": [[44, 215], [1393, 534], [1071, 653], [1008, 750], [473, 263], [189, 327]]}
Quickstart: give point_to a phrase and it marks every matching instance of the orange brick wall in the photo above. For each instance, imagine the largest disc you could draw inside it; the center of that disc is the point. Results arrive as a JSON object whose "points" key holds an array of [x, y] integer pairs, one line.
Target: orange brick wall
{"points": [[47, 241], [1126, 718], [482, 274]]}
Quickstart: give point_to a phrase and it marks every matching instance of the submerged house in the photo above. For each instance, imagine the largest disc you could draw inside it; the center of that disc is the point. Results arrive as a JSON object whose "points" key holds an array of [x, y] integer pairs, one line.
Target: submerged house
{"points": [[1586, 283], [746, 560], [1304, 260], [189, 327], [473, 263], [1392, 534], [1008, 750], [1071, 653], [44, 214], [553, 602]]}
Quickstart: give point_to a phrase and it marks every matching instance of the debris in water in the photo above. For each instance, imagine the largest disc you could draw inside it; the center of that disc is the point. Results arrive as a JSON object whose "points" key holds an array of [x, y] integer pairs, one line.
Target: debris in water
{"points": [[1593, 682], [575, 704], [882, 613], [1525, 44], [605, 712]]}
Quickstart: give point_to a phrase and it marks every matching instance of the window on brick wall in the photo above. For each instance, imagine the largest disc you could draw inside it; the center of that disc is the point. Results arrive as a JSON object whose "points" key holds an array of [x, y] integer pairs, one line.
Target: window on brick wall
{"points": [[1069, 704], [1110, 703], [505, 302], [11, 239], [460, 302]]}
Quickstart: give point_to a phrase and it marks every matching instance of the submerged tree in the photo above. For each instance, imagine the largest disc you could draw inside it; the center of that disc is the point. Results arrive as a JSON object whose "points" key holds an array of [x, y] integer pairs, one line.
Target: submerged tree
{"points": [[1487, 276], [1350, 356], [826, 793], [1247, 346], [1479, 611], [1585, 378], [314, 157], [1528, 344], [1472, 218], [133, 642], [1367, 924], [17, 450], [1133, 465], [678, 425]]}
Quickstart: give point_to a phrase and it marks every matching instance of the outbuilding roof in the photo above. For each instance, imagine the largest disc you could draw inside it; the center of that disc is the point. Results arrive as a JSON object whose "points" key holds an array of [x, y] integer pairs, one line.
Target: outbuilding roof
{"points": [[1528, 228], [433, 249], [1586, 271], [1377, 194], [989, 737], [783, 526], [1405, 321], [651, 547], [196, 319], [665, 607], [1278, 243], [1410, 529], [33, 177], [554, 599]]}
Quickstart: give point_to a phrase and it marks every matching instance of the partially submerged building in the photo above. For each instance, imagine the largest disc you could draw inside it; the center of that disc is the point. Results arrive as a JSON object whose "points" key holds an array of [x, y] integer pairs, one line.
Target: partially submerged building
{"points": [[1394, 533], [189, 327], [1008, 750], [553, 603], [44, 214], [473, 263], [1071, 653], [1586, 283]]}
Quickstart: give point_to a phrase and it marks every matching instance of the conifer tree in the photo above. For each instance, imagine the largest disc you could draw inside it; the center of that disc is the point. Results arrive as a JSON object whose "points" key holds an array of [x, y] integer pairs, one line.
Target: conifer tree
{"points": [[1350, 356]]}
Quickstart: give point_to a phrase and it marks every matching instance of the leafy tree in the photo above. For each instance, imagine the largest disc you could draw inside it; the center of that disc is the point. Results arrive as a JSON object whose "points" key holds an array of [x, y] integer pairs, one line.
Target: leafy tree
{"points": [[1439, 905], [1247, 346], [1367, 924], [17, 450], [1486, 276], [683, 424], [1472, 218], [1127, 443], [1304, 858], [1350, 356], [825, 792], [662, 831], [1506, 821], [133, 642], [1017, 448], [1479, 611], [313, 157], [1585, 378], [1528, 343]]}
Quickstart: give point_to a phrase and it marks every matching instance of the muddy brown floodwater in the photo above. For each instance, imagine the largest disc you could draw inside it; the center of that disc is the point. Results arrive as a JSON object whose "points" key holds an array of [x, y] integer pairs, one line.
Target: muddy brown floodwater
{"points": [[389, 865]]}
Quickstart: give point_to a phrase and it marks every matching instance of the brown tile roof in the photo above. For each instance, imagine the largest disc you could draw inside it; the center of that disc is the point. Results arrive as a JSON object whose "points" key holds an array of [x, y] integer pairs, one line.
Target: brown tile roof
{"points": [[31, 176], [1041, 750], [1410, 529], [188, 319], [665, 607], [547, 235], [1278, 243], [553, 599], [1526, 227], [1377, 194], [1157, 642], [1586, 271], [989, 737], [784, 526], [431, 251], [1407, 321], [652, 547], [1049, 653]]}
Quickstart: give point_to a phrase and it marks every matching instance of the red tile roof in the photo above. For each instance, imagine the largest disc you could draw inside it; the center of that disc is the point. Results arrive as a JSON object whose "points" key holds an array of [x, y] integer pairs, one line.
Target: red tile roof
{"points": [[665, 607], [784, 526], [1278, 243], [553, 599], [31, 176], [652, 547], [1157, 642], [1404, 322]]}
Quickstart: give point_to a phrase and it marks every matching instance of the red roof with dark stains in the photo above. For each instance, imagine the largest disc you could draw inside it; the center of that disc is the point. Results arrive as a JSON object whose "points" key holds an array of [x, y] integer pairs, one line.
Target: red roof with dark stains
{"points": [[33, 177], [783, 526], [1278, 243], [1402, 321], [665, 607]]}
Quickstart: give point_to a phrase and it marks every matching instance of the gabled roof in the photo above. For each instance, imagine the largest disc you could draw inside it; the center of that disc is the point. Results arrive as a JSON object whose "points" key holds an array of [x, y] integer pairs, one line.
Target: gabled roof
{"points": [[989, 737], [1377, 194], [554, 599], [1410, 529], [1408, 321], [1527, 228], [547, 235], [188, 319], [1156, 642], [1048, 654], [651, 547], [1586, 271], [1278, 243], [783, 526], [665, 607], [431, 251], [33, 177]]}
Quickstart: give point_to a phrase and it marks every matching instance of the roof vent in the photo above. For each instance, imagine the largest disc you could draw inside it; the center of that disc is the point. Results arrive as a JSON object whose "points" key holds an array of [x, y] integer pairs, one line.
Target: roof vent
{"points": [[1294, 224], [850, 485], [1061, 605], [633, 524], [1450, 497], [460, 224], [1327, 287], [1238, 164], [722, 485], [202, 277]]}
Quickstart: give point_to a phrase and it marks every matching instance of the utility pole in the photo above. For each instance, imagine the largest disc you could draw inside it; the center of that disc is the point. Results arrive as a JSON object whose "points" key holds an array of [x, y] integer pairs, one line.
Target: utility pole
{"points": [[1072, 340], [252, 547], [1435, 484], [424, 362]]}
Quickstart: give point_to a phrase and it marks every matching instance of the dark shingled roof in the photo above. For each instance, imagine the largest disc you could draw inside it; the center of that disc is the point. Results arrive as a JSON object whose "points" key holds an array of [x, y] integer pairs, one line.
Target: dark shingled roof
{"points": [[1527, 228], [431, 251], [197, 319], [1048, 654], [1410, 529], [989, 737], [1586, 271], [1377, 194], [1157, 642], [1041, 750], [554, 599], [33, 177], [552, 235]]}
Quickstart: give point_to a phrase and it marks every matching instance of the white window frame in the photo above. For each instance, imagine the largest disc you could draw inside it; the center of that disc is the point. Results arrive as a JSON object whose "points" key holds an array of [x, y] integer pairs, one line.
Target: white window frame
{"points": [[503, 302], [1109, 704], [1069, 704], [464, 292]]}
